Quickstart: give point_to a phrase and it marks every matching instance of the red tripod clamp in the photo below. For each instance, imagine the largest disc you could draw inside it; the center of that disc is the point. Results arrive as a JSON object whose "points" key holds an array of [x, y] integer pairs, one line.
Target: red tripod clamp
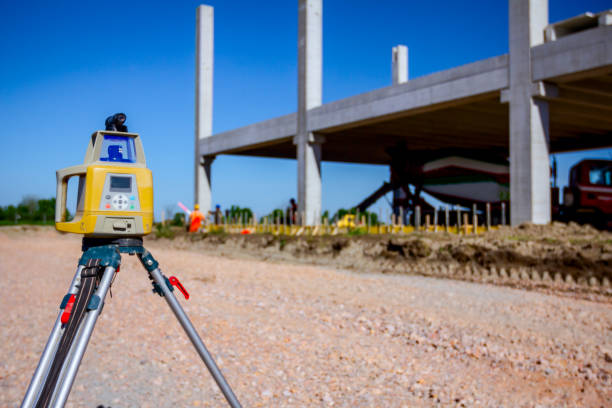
{"points": [[175, 282]]}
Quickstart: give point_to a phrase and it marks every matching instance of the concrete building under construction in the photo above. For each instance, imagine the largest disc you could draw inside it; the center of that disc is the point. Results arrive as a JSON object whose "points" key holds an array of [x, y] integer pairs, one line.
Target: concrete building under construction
{"points": [[551, 93]]}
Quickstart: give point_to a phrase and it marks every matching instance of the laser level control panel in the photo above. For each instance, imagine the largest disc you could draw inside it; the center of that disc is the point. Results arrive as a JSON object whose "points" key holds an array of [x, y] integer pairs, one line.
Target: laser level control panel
{"points": [[120, 193]]}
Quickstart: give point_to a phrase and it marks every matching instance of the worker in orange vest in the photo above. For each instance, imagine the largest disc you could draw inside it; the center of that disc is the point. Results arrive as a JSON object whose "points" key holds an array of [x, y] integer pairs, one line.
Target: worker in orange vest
{"points": [[195, 219]]}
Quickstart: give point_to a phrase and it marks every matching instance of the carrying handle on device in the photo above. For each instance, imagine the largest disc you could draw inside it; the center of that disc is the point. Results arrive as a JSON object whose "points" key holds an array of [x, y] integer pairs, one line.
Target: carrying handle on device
{"points": [[63, 176]]}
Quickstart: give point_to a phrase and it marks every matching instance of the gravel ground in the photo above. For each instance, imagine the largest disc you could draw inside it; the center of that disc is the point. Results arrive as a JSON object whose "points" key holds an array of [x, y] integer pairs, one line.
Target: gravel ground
{"points": [[294, 335]]}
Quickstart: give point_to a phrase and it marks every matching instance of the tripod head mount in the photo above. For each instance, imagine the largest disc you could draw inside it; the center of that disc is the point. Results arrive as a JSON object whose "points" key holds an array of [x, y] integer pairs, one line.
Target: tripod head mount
{"points": [[115, 189]]}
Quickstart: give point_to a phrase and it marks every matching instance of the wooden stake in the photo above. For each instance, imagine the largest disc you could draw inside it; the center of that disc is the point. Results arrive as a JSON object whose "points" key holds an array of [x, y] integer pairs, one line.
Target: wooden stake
{"points": [[436, 221], [458, 221], [446, 219]]}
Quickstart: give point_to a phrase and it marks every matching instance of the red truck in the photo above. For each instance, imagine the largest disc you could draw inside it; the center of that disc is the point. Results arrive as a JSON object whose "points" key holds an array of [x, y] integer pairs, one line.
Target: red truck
{"points": [[588, 197]]}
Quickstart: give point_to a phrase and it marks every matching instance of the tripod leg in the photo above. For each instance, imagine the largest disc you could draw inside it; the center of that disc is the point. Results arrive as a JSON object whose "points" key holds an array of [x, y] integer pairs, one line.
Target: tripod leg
{"points": [[77, 350], [152, 266], [48, 354]]}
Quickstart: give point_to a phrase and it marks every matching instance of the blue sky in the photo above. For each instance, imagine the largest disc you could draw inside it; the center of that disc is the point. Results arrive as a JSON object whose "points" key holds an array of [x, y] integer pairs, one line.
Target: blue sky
{"points": [[66, 65]]}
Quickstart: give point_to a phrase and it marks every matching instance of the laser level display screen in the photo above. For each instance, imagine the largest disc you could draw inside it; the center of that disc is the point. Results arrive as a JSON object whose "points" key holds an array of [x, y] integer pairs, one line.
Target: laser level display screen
{"points": [[121, 183], [117, 148]]}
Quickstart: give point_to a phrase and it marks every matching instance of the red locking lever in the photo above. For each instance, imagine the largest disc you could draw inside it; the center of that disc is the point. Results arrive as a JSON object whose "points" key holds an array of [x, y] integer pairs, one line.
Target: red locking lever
{"points": [[68, 309], [175, 282]]}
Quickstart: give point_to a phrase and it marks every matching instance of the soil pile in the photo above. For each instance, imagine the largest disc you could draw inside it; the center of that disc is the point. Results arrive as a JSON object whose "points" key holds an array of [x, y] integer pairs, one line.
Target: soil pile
{"points": [[565, 257]]}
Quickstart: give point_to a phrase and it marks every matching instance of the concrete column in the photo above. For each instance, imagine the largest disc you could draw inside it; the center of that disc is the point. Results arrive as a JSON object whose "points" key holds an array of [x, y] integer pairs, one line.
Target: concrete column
{"points": [[204, 191], [399, 64], [529, 129], [310, 24], [309, 180], [203, 102]]}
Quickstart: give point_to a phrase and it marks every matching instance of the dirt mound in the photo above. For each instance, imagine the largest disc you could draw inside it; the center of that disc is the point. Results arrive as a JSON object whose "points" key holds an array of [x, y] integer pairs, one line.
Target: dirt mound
{"points": [[555, 256]]}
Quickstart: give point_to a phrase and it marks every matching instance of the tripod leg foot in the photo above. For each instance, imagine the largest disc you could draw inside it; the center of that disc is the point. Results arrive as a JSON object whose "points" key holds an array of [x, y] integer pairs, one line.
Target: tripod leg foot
{"points": [[152, 266], [77, 350], [48, 354]]}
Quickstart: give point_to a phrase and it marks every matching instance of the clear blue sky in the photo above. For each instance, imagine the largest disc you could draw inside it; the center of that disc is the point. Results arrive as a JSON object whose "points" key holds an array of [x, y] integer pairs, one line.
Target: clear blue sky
{"points": [[66, 65]]}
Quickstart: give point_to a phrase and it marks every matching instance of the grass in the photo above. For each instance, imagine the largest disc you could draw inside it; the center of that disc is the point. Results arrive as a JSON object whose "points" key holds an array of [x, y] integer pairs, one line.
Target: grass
{"points": [[519, 238], [217, 231], [579, 241], [357, 231], [163, 231]]}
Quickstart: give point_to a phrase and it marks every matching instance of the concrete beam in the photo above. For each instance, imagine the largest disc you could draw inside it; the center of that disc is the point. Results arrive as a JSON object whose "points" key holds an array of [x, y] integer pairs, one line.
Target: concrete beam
{"points": [[539, 89], [424, 93], [310, 64], [203, 101], [529, 117], [575, 24], [399, 64], [244, 138], [584, 51], [418, 95]]}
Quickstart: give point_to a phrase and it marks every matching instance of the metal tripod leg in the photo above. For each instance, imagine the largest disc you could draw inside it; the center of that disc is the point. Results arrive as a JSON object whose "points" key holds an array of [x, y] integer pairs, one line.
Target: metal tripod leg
{"points": [[39, 377], [151, 265], [79, 345]]}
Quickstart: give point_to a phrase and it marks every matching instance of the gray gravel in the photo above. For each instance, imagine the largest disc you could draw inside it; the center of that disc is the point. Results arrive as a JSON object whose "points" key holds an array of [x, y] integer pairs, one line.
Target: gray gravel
{"points": [[288, 335]]}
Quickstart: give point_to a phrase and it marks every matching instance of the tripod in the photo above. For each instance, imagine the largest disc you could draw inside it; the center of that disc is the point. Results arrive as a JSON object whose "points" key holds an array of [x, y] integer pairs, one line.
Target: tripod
{"points": [[79, 310]]}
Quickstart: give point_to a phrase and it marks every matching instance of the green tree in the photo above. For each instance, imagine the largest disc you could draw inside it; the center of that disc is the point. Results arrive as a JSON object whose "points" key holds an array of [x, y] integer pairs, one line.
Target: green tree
{"points": [[325, 216], [10, 213], [240, 214], [31, 210], [276, 213], [45, 209], [23, 211], [178, 220]]}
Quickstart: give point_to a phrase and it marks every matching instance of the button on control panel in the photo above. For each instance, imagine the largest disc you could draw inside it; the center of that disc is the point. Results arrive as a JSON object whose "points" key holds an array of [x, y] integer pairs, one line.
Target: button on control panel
{"points": [[120, 193], [120, 202]]}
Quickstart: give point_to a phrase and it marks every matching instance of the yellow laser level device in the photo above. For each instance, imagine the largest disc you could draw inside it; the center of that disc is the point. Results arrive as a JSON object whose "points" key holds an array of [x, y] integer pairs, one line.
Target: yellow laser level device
{"points": [[115, 189]]}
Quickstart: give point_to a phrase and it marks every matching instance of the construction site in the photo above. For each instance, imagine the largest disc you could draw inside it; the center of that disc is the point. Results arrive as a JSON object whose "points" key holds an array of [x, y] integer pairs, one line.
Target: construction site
{"points": [[484, 284], [480, 134]]}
